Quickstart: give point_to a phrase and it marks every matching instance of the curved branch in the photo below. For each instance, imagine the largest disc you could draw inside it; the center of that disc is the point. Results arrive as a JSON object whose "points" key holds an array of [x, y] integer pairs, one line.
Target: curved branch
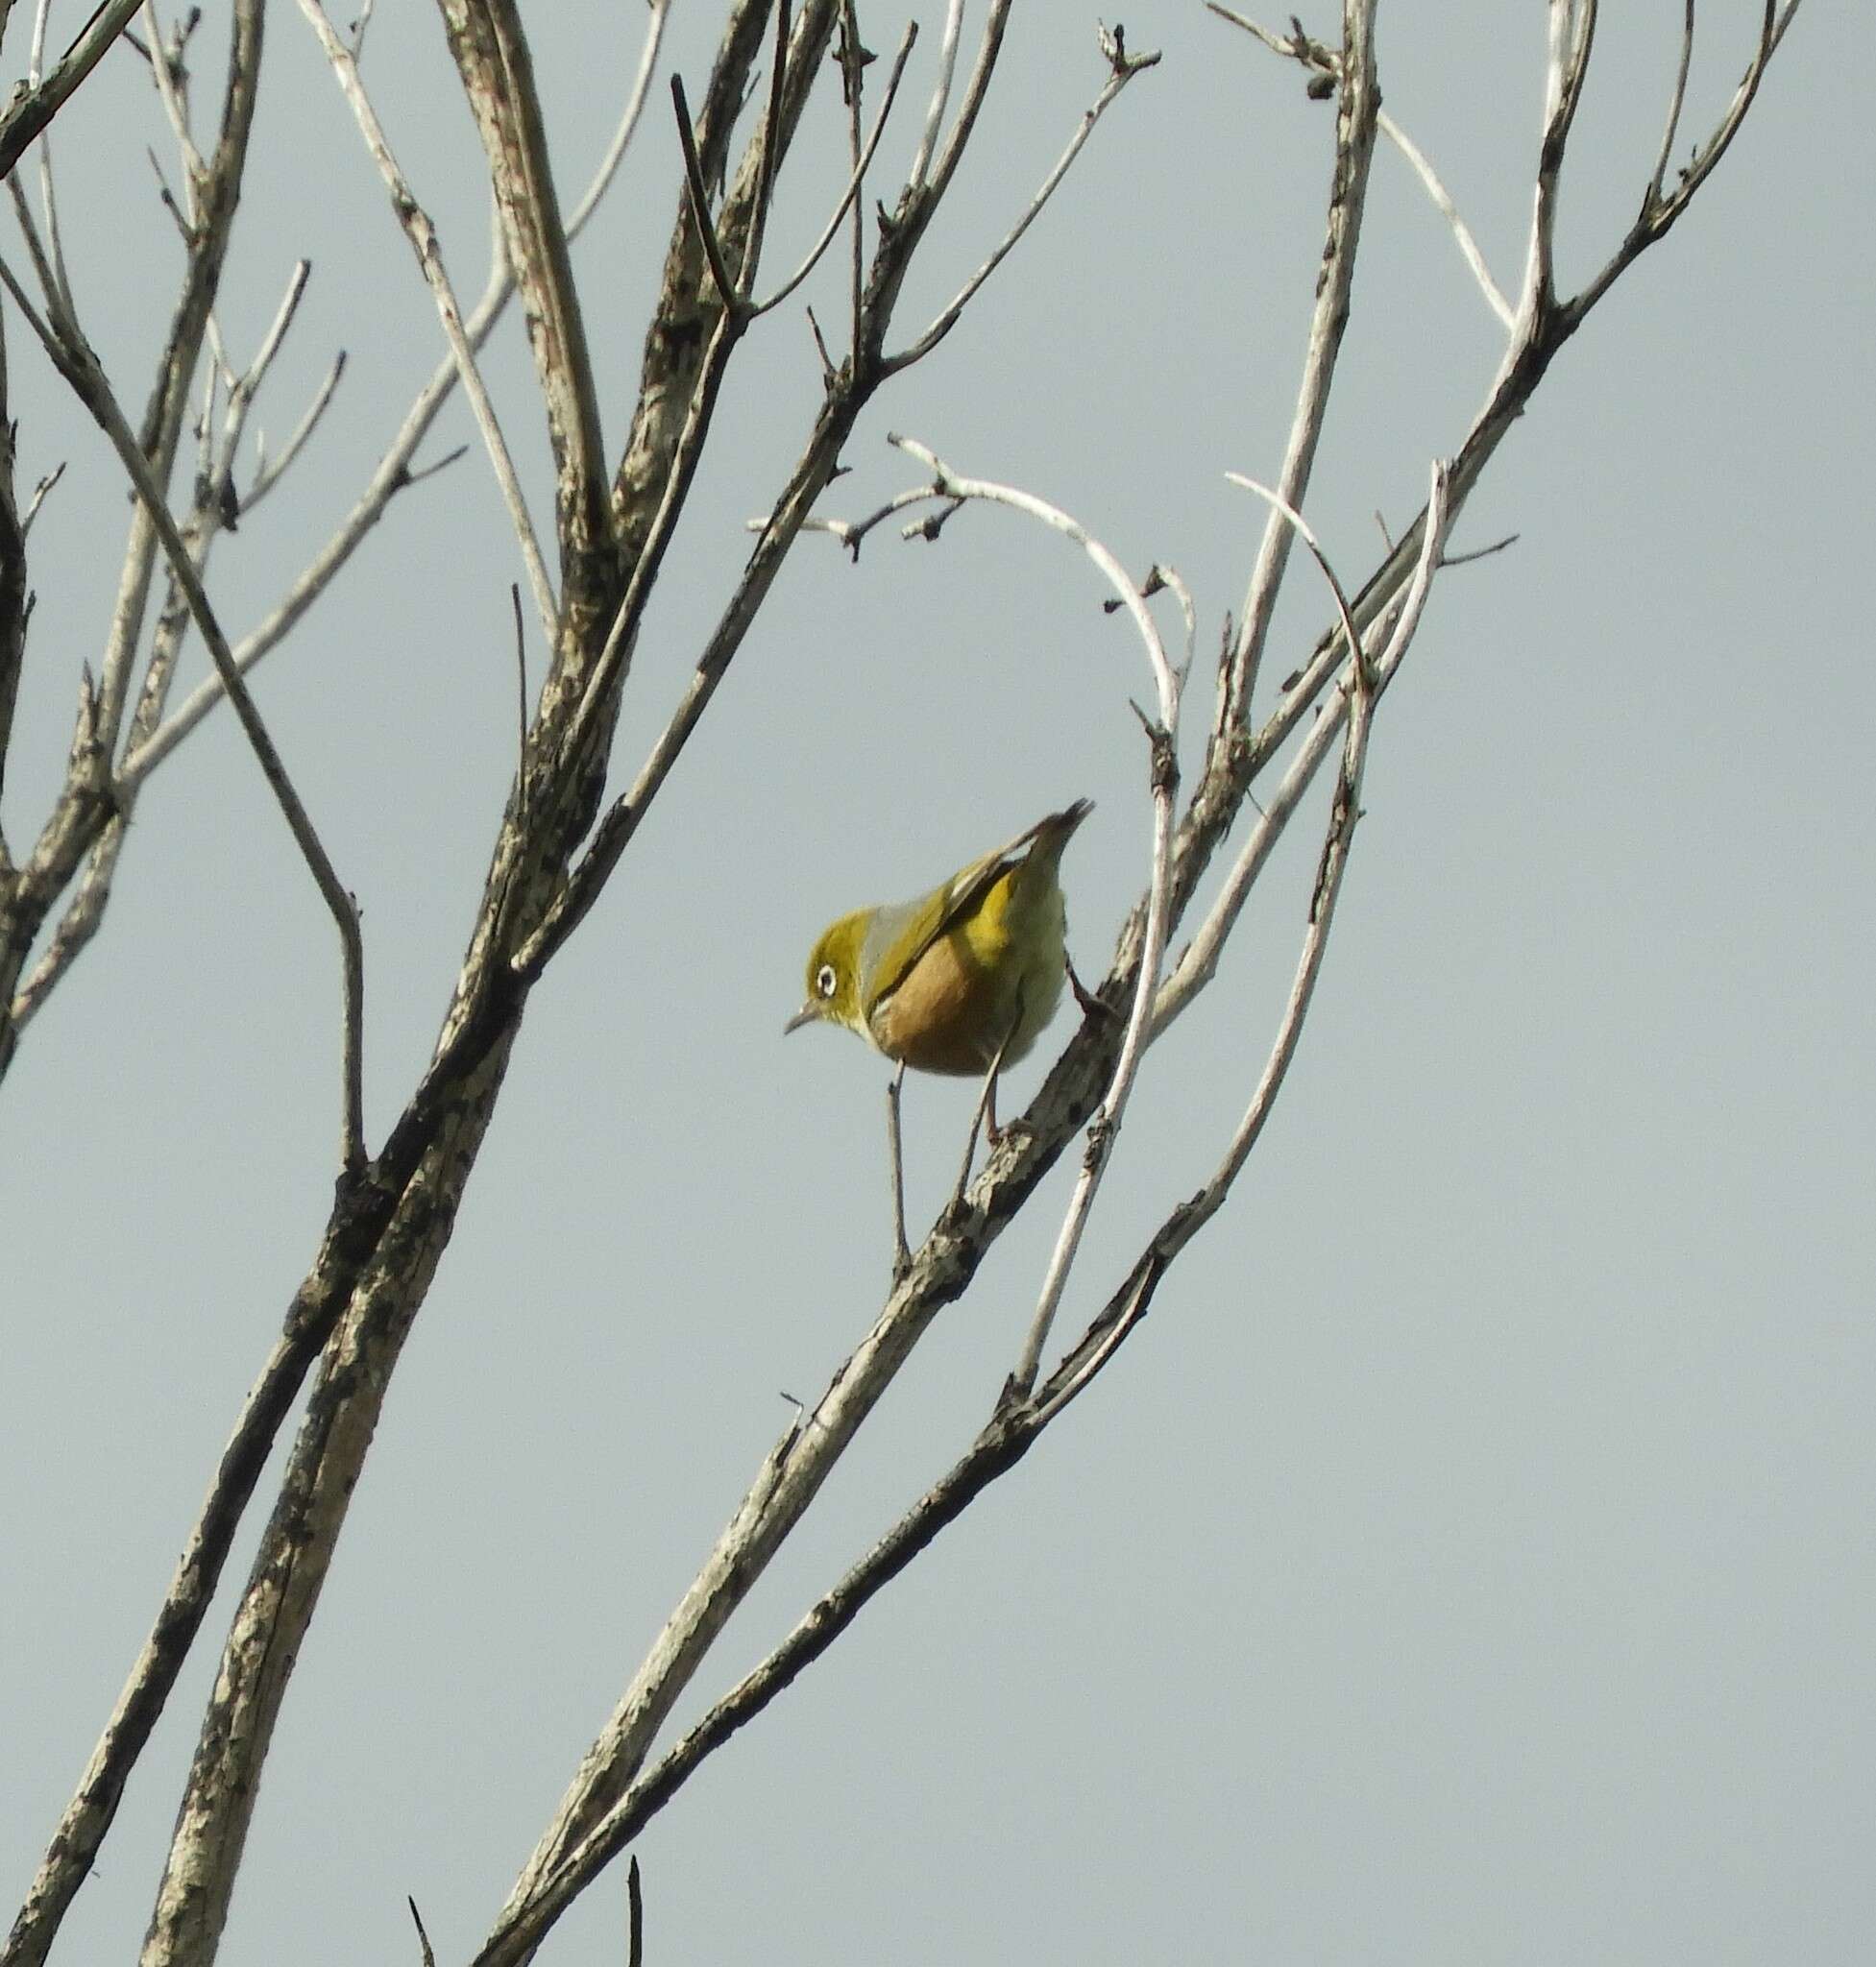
{"points": [[1163, 739]]}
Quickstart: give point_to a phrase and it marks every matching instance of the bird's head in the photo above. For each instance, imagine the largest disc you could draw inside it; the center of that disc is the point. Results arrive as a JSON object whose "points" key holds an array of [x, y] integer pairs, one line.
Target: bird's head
{"points": [[834, 995]]}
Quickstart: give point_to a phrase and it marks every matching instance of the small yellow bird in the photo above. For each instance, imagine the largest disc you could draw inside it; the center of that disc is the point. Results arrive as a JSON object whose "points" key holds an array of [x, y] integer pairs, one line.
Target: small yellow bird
{"points": [[965, 979]]}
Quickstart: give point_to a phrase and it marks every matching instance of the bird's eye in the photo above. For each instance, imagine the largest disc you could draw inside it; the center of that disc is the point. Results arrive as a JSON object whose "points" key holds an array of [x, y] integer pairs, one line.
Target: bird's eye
{"points": [[824, 980]]}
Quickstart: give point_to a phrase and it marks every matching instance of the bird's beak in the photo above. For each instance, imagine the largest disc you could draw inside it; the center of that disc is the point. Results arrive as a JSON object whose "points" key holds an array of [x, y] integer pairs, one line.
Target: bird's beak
{"points": [[806, 1015]]}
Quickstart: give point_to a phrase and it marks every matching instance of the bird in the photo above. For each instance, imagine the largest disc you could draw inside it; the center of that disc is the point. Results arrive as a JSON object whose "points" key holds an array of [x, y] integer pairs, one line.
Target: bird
{"points": [[962, 980], [965, 977]]}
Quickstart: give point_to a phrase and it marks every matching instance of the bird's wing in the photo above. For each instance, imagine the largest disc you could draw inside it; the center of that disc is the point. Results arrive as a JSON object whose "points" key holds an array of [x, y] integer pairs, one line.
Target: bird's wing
{"points": [[902, 933]]}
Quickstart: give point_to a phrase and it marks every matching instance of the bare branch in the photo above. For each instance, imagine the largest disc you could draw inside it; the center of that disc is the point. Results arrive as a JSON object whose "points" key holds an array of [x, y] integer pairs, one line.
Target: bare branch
{"points": [[659, 13], [1122, 72], [1360, 704], [422, 1938], [394, 472], [1571, 35], [851, 532], [213, 194], [1462, 232], [1002, 1443], [921, 164], [422, 234], [1361, 666], [255, 372], [768, 158], [1354, 153], [268, 471], [31, 113], [853, 58], [1368, 675], [938, 173], [55, 239], [40, 492], [88, 1817], [1660, 213], [1675, 101], [1317, 60], [162, 72], [854, 182], [497, 71], [1163, 576], [74, 360], [87, 811], [712, 247], [14, 615]]}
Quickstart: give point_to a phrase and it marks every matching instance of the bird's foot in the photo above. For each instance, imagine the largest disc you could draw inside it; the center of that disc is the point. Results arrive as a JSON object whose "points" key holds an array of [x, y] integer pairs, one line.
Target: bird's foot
{"points": [[1091, 1005]]}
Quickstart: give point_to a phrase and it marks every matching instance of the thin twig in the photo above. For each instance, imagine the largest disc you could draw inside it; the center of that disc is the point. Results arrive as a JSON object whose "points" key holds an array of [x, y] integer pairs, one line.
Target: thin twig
{"points": [[73, 358], [1675, 104], [422, 234], [852, 532], [1199, 962], [1359, 704], [1659, 215], [54, 238], [252, 377], [1361, 667], [1479, 552], [628, 121], [942, 167], [854, 182], [853, 57], [1163, 576], [269, 471], [921, 164], [1321, 60], [40, 490], [32, 111], [422, 1938], [394, 473], [163, 74], [1120, 74], [1462, 232], [768, 161], [700, 201], [896, 1170], [1354, 153], [521, 705], [88, 1817]]}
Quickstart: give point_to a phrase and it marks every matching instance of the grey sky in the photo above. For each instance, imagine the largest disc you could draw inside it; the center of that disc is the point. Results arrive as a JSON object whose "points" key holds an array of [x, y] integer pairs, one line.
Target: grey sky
{"points": [[1470, 1558]]}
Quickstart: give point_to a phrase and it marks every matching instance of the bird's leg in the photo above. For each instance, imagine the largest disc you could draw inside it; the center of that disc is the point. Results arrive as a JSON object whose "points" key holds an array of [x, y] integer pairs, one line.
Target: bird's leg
{"points": [[986, 1107], [1091, 1006], [901, 1253]]}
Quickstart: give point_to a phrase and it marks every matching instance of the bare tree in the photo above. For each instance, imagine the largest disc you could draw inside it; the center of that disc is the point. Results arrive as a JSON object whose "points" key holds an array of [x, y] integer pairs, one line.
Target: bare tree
{"points": [[572, 810]]}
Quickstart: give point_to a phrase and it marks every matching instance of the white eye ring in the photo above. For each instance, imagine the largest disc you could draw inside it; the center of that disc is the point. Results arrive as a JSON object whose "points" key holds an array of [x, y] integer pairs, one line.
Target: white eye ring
{"points": [[825, 980]]}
